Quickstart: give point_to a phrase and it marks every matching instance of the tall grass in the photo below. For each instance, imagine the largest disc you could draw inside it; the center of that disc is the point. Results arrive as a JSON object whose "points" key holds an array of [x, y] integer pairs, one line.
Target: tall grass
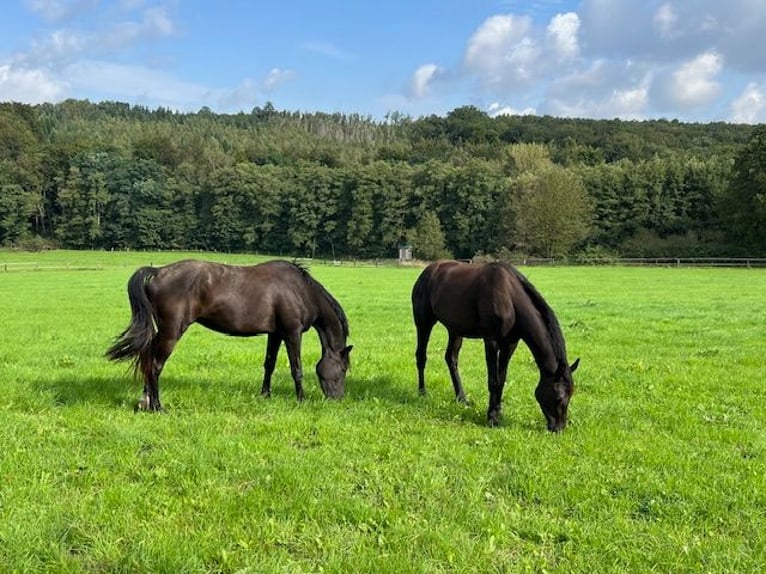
{"points": [[661, 467]]}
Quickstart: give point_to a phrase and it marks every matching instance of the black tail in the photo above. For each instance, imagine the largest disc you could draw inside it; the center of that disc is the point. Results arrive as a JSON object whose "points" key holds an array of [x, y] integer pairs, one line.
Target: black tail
{"points": [[135, 342], [420, 293]]}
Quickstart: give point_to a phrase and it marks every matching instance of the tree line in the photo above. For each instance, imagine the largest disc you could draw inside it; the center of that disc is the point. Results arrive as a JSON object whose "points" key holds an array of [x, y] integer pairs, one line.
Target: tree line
{"points": [[114, 176]]}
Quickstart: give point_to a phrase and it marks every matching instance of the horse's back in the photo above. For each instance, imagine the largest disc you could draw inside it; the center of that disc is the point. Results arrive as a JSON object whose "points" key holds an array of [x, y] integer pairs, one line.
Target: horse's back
{"points": [[471, 300], [238, 300]]}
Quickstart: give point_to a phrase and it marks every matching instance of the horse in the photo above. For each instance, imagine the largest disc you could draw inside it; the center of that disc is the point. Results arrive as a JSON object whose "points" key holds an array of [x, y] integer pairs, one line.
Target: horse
{"points": [[278, 298], [496, 303]]}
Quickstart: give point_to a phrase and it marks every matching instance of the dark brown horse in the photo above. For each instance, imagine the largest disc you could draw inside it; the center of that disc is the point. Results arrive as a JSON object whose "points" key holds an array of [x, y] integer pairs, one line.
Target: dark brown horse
{"points": [[496, 303], [277, 297]]}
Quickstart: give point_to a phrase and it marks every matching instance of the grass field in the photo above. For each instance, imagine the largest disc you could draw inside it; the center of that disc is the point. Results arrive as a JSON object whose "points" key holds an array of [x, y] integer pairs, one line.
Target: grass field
{"points": [[661, 468]]}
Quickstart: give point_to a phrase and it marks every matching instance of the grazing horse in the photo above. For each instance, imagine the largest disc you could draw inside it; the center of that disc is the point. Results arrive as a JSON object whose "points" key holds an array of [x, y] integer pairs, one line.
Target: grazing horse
{"points": [[277, 297], [496, 303]]}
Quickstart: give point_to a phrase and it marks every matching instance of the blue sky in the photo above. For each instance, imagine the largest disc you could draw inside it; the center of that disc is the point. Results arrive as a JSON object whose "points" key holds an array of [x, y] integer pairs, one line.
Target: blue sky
{"points": [[691, 60]]}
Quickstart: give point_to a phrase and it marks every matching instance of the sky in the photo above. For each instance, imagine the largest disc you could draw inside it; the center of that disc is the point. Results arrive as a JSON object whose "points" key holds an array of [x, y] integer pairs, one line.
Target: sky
{"points": [[689, 60]]}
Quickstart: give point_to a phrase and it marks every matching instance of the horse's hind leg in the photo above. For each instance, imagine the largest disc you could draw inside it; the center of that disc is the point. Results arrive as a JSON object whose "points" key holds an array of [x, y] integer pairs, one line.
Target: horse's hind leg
{"points": [[451, 357], [272, 350], [424, 329], [162, 346]]}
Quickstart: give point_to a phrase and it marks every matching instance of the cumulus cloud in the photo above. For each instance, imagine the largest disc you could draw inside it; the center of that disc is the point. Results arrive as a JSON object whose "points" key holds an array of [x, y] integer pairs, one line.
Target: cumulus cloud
{"points": [[750, 106], [496, 109], [502, 50], [692, 84], [562, 35], [421, 80], [30, 86]]}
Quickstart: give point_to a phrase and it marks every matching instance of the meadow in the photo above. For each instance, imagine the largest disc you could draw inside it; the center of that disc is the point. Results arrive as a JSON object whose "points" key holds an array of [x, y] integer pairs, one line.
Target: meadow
{"points": [[660, 469]]}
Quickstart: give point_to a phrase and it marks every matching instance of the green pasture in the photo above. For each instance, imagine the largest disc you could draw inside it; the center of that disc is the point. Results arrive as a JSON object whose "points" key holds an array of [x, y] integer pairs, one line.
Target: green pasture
{"points": [[661, 468]]}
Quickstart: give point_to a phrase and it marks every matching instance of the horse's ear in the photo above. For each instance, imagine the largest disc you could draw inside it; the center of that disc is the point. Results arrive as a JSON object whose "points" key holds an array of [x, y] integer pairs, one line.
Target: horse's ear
{"points": [[573, 366]]}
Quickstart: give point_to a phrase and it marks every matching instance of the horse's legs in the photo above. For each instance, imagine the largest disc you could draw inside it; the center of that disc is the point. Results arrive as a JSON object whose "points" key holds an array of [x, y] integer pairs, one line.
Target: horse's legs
{"points": [[162, 346], [424, 329], [293, 346], [504, 357], [494, 382], [272, 349], [450, 356]]}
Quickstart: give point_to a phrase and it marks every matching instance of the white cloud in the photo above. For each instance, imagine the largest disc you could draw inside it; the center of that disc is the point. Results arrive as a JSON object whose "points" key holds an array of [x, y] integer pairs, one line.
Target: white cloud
{"points": [[146, 86], [750, 106], [28, 86], [605, 89], [562, 35], [60, 9], [502, 50], [421, 80], [64, 46], [276, 78], [626, 104], [694, 84], [665, 20], [133, 83], [157, 21], [496, 109]]}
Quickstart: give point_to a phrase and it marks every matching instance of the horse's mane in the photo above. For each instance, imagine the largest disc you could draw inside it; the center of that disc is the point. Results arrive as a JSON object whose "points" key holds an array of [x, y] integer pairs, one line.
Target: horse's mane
{"points": [[549, 318], [334, 305]]}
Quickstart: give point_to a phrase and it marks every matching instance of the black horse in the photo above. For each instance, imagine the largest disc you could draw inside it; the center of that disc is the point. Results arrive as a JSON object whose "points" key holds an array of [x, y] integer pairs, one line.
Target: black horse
{"points": [[277, 297], [496, 303]]}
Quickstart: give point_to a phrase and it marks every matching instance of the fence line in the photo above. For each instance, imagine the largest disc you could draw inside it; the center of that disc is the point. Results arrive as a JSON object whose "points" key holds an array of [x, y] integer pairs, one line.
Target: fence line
{"points": [[745, 262], [733, 262]]}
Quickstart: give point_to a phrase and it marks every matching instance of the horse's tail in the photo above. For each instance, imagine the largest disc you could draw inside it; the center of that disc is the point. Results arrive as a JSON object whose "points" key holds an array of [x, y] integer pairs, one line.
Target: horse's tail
{"points": [[135, 342], [421, 293]]}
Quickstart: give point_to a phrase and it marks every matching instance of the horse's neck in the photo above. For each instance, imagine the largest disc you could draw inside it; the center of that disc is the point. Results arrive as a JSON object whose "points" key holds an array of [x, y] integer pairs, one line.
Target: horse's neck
{"points": [[330, 329], [538, 338]]}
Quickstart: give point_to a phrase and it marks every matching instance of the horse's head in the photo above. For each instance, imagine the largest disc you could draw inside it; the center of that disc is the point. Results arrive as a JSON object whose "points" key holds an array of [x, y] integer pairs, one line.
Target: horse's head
{"points": [[331, 370], [553, 393]]}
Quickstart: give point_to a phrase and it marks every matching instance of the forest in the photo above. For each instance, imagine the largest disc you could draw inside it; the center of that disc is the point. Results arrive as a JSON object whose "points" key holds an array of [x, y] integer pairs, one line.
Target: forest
{"points": [[113, 176]]}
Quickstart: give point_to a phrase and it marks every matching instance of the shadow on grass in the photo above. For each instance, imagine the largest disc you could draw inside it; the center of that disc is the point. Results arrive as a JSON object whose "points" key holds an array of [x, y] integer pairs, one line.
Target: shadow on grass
{"points": [[74, 390], [124, 392], [437, 405]]}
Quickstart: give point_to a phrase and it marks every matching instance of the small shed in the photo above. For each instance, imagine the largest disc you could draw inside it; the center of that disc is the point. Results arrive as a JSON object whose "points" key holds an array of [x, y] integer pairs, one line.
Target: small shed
{"points": [[405, 252]]}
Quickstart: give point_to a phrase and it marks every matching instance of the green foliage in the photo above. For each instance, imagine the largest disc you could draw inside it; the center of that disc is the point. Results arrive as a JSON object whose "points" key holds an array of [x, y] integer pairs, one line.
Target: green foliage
{"points": [[385, 480], [427, 239], [744, 204], [548, 210], [113, 176]]}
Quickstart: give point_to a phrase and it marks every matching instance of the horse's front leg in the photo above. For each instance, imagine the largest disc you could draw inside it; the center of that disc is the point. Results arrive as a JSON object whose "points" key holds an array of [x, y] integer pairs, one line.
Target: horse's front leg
{"points": [[494, 382], [272, 350], [451, 357], [504, 357], [293, 346]]}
